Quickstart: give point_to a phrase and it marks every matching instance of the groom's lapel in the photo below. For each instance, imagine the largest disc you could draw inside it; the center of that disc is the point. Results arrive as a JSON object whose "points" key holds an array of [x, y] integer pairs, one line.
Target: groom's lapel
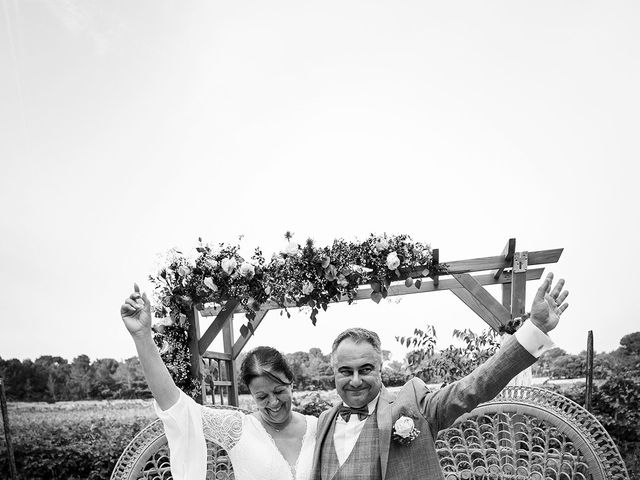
{"points": [[384, 427], [323, 429]]}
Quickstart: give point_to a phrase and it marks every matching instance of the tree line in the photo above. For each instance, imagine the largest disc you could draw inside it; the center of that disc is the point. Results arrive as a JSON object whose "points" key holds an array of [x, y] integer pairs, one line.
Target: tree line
{"points": [[51, 378]]}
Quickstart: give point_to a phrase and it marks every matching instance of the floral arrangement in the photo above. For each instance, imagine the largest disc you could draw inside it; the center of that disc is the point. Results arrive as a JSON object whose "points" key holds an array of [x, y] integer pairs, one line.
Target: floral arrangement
{"points": [[404, 431], [299, 275]]}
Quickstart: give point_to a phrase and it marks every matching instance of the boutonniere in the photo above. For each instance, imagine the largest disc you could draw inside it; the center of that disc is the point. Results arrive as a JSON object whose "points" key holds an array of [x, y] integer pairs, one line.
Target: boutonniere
{"points": [[404, 431]]}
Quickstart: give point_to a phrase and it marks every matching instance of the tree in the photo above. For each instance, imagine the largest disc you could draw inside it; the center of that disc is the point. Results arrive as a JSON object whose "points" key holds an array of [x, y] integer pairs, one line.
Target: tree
{"points": [[104, 384], [630, 344], [80, 378], [55, 371], [452, 363]]}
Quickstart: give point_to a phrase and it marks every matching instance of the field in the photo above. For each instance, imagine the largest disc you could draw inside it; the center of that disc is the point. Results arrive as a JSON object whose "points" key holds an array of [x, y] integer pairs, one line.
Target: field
{"points": [[74, 440], [83, 440]]}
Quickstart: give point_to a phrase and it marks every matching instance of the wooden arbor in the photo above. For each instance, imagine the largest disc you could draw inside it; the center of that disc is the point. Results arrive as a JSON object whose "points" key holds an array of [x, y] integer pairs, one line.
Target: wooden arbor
{"points": [[509, 269]]}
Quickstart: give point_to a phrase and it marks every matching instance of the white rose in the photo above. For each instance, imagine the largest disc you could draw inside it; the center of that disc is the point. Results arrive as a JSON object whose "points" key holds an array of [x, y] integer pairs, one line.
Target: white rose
{"points": [[342, 281], [292, 248], [229, 265], [307, 287], [382, 244], [403, 426], [208, 281], [393, 261], [165, 322], [247, 270]]}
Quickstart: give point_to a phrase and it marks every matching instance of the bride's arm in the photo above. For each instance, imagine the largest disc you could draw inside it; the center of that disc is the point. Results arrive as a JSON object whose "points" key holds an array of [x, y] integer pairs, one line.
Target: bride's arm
{"points": [[136, 315]]}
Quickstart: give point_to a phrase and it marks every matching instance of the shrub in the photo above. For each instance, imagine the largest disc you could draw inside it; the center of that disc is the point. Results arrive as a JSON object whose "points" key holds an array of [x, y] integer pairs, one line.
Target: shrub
{"points": [[312, 403], [73, 444], [616, 404]]}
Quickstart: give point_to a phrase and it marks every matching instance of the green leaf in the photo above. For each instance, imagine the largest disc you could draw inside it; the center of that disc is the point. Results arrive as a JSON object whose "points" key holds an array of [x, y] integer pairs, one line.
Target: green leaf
{"points": [[375, 286], [376, 296], [418, 283], [408, 282], [244, 331]]}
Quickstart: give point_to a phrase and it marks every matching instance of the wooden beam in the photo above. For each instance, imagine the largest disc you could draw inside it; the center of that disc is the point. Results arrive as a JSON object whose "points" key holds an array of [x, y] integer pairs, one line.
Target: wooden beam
{"points": [[589, 386], [471, 302], [506, 296], [436, 260], [519, 284], [216, 355], [483, 297], [7, 432], [490, 263], [242, 341], [216, 326], [227, 340], [507, 252], [193, 334], [401, 289]]}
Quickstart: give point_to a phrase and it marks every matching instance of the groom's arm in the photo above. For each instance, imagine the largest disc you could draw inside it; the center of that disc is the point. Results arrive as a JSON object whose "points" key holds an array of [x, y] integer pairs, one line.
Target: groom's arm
{"points": [[517, 352]]}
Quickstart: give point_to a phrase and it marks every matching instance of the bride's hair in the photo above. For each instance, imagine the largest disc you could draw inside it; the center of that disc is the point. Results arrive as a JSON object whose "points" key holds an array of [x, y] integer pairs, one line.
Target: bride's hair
{"points": [[265, 361]]}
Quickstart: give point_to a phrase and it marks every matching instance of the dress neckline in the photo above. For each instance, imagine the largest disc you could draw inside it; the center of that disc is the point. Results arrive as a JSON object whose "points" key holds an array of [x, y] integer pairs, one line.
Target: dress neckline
{"points": [[292, 469]]}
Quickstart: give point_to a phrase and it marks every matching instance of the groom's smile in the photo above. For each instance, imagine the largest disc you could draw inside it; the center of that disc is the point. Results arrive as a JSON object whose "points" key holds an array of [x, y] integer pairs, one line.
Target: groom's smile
{"points": [[357, 369]]}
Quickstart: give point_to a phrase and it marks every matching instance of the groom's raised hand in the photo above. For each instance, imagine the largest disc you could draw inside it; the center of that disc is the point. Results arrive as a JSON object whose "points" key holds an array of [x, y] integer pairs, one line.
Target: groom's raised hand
{"points": [[548, 304]]}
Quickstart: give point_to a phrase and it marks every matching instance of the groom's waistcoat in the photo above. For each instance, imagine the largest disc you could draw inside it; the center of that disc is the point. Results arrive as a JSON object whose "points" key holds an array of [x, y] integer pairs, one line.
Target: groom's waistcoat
{"points": [[364, 460]]}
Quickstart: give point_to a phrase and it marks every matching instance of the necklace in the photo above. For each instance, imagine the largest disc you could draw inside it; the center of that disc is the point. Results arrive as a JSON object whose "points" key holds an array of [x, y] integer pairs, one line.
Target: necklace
{"points": [[280, 427]]}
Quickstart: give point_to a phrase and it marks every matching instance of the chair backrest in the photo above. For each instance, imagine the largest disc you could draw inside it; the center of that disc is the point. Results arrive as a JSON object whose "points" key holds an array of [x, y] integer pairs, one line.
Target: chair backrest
{"points": [[147, 456], [529, 433], [524, 433]]}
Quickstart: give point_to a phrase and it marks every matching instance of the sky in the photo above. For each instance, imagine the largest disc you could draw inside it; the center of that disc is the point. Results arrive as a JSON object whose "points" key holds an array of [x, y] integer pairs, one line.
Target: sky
{"points": [[128, 128]]}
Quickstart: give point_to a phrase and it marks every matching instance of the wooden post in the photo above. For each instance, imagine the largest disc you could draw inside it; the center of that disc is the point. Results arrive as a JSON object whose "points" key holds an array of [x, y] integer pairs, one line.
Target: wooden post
{"points": [[518, 305], [227, 340], [589, 387], [436, 260], [519, 284], [193, 337], [7, 432]]}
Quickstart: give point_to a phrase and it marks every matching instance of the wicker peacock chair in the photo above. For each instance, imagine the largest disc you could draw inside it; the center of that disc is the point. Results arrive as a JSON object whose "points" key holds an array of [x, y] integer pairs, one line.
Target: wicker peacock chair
{"points": [[524, 433]]}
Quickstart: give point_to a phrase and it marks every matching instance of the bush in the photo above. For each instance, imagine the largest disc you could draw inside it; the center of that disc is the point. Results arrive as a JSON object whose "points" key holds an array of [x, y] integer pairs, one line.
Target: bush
{"points": [[54, 444], [312, 403], [616, 404]]}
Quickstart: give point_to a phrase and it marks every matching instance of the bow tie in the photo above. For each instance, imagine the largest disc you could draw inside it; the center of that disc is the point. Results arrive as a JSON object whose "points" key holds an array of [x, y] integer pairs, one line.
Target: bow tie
{"points": [[345, 412]]}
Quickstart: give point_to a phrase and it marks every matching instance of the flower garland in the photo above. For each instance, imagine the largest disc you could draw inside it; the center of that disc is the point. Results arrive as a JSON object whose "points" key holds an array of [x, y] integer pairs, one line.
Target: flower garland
{"points": [[299, 275]]}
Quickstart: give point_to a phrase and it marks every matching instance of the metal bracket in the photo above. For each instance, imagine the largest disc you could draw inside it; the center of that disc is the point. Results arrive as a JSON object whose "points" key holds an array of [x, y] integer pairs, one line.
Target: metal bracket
{"points": [[520, 262]]}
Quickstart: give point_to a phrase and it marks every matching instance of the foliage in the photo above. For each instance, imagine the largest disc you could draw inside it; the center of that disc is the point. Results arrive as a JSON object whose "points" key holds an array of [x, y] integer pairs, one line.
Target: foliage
{"points": [[78, 441], [616, 404], [313, 403], [52, 379], [300, 276], [453, 362]]}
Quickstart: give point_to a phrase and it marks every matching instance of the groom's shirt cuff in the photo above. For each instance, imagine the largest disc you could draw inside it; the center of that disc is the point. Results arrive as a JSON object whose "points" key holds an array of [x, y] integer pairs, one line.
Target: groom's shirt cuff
{"points": [[534, 340]]}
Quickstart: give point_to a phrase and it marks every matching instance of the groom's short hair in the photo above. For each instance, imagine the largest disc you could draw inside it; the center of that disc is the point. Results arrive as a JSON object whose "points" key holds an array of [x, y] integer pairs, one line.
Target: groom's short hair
{"points": [[358, 335]]}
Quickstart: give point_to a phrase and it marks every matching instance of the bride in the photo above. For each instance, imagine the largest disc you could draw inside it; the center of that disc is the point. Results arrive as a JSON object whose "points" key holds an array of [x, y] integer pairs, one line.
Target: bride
{"points": [[273, 443]]}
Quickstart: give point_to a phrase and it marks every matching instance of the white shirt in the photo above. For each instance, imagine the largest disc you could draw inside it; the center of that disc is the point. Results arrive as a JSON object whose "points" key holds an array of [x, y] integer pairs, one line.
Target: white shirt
{"points": [[345, 435]]}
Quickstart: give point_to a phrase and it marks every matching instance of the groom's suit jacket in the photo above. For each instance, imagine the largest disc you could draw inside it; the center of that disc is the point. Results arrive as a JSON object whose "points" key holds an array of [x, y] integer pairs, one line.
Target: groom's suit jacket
{"points": [[431, 412]]}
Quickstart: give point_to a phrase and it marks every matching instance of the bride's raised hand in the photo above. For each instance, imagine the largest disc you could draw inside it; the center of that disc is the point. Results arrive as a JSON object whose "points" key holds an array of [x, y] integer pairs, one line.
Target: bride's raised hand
{"points": [[136, 313]]}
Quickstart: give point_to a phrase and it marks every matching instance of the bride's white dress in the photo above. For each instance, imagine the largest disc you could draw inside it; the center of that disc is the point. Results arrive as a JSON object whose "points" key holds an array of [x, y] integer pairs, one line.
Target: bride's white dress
{"points": [[252, 451]]}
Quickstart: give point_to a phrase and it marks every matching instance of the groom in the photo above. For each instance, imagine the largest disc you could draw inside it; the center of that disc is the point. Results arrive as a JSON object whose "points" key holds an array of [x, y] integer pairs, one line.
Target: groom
{"points": [[354, 439]]}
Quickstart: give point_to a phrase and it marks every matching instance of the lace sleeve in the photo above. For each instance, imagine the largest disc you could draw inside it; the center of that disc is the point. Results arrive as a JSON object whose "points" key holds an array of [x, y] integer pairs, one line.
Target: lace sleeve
{"points": [[222, 426]]}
